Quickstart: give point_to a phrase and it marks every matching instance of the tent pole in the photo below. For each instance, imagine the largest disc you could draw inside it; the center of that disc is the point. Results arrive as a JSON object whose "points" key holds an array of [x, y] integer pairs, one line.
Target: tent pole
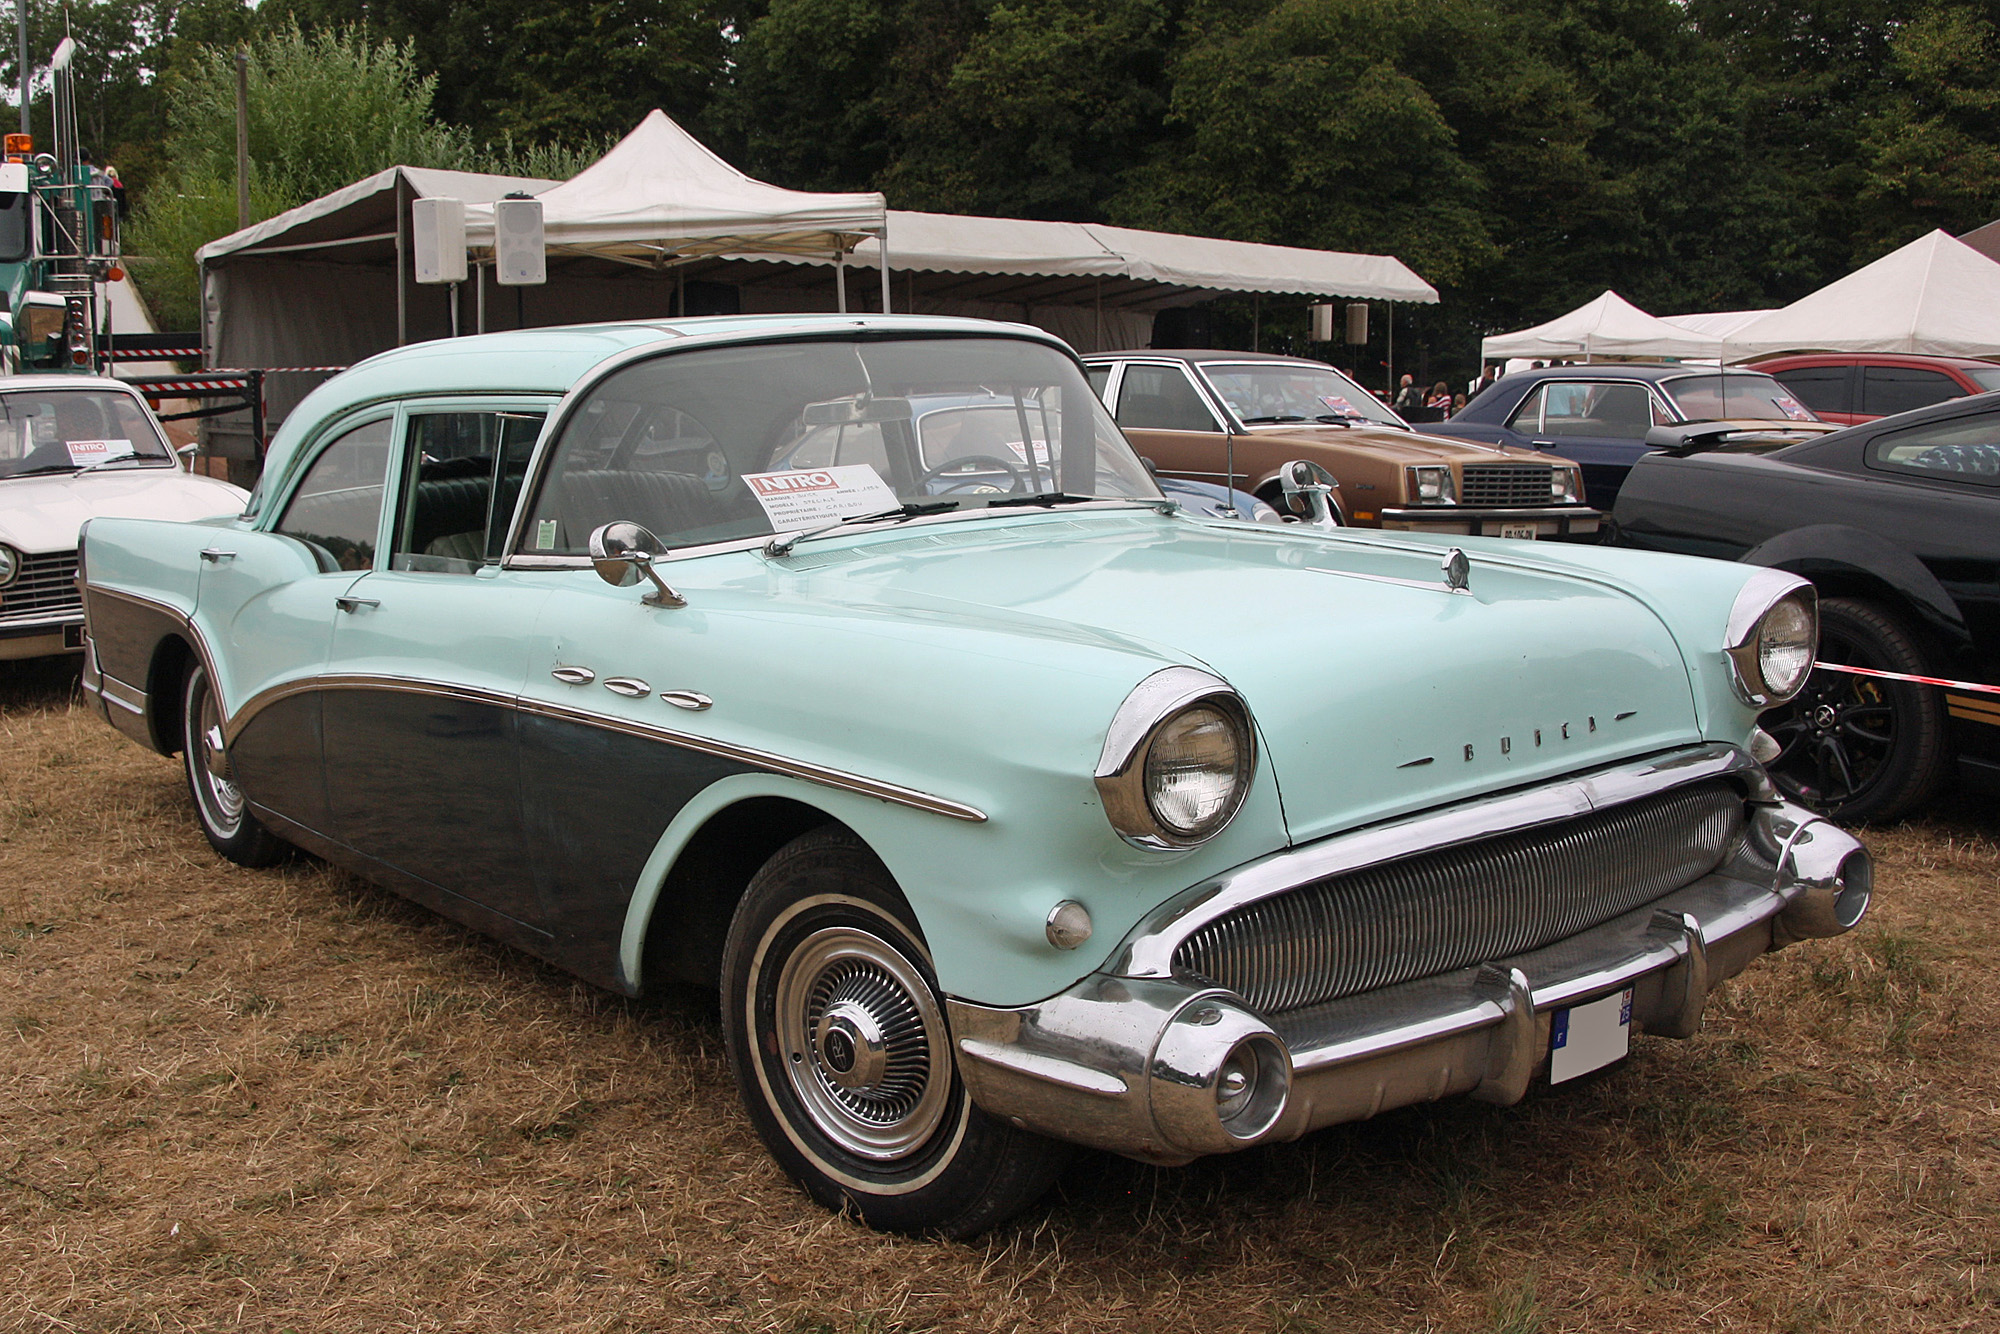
{"points": [[1389, 319], [479, 286], [1256, 325], [1097, 334], [883, 241], [840, 281]]}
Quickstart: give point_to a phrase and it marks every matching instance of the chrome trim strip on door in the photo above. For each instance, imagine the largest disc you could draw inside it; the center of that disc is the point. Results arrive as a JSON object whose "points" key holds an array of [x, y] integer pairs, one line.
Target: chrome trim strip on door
{"points": [[762, 759]]}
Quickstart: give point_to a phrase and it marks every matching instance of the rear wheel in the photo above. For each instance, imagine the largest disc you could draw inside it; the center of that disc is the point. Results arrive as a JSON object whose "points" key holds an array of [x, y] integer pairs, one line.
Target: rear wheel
{"points": [[1858, 748], [838, 1040], [218, 803]]}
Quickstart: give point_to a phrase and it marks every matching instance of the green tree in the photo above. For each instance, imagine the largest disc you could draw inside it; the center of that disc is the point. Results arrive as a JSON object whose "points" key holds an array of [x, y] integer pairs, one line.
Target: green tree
{"points": [[1932, 150], [326, 109], [537, 71]]}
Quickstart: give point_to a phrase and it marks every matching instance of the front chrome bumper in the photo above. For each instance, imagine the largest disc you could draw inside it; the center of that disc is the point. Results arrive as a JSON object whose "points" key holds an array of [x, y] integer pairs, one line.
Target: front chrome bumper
{"points": [[1478, 521], [1141, 1062]]}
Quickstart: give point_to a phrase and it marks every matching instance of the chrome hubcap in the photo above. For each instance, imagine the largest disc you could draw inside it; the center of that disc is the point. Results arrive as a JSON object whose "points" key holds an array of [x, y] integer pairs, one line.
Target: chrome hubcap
{"points": [[225, 801], [863, 1043]]}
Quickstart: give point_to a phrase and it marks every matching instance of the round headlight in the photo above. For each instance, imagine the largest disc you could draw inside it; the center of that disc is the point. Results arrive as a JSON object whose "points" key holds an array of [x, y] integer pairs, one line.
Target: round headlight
{"points": [[10, 565], [1787, 637], [1195, 770]]}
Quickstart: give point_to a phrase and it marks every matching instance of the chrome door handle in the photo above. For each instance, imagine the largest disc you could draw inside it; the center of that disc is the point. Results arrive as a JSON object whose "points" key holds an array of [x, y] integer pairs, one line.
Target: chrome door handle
{"points": [[629, 686], [216, 555], [356, 604], [574, 676]]}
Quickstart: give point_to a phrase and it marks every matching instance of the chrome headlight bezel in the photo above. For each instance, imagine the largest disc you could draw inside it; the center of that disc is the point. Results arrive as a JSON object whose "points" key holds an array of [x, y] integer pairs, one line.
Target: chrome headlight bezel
{"points": [[10, 564], [1749, 622], [1121, 767], [1438, 477]]}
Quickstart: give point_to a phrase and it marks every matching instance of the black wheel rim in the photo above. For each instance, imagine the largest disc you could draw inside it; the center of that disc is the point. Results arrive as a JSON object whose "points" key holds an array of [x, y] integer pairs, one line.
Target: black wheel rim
{"points": [[1838, 737]]}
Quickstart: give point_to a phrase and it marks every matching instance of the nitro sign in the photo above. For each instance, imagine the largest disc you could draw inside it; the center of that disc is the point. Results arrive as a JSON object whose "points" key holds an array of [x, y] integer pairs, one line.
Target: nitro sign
{"points": [[809, 497]]}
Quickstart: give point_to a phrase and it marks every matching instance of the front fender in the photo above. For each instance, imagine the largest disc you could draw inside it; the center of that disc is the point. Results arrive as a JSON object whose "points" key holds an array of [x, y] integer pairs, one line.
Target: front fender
{"points": [[1823, 549]]}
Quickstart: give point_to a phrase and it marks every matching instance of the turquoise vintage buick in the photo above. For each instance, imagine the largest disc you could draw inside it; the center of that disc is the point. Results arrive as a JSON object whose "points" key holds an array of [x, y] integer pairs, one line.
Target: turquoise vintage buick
{"points": [[1008, 804]]}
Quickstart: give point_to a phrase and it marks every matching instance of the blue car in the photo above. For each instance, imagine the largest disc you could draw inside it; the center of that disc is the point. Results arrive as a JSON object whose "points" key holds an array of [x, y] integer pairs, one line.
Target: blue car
{"points": [[1598, 415], [1007, 803]]}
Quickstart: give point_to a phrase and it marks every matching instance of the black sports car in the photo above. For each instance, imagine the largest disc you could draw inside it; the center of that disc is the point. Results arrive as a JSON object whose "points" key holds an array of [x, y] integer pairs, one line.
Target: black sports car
{"points": [[1898, 524]]}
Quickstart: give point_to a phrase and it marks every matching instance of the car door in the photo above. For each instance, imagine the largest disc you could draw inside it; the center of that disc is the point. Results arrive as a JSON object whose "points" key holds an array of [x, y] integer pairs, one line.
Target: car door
{"points": [[1600, 425], [428, 652], [265, 605], [1170, 421]]}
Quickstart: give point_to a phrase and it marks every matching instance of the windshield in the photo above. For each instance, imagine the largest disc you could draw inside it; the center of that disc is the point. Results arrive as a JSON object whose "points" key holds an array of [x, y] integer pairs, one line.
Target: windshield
{"points": [[1261, 393], [1707, 398], [67, 430], [1986, 377], [13, 227], [742, 442]]}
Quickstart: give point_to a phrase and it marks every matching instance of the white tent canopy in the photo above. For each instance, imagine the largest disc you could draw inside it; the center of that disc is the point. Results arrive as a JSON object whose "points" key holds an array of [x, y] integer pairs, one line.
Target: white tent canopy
{"points": [[1717, 323], [1609, 326], [659, 195], [1936, 295]]}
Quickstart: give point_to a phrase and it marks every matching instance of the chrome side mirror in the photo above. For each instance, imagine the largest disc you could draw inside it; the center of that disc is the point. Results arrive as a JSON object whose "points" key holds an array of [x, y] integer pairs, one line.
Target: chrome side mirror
{"points": [[1309, 493], [623, 553]]}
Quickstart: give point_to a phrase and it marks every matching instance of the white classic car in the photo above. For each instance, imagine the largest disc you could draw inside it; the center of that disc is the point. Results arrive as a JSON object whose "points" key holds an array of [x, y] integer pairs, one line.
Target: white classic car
{"points": [[74, 448]]}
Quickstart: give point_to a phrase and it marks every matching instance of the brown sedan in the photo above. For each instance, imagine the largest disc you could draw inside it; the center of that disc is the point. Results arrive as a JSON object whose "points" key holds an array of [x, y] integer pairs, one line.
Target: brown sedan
{"points": [[1236, 417]]}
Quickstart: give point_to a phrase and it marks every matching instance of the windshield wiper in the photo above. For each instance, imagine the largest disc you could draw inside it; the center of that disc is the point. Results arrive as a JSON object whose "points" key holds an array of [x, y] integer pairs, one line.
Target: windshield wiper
{"points": [[1274, 418], [150, 460], [782, 545], [1046, 498]]}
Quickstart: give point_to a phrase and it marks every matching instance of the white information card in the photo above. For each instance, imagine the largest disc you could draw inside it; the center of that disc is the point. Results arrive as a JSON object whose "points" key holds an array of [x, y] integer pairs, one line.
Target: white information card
{"points": [[810, 497]]}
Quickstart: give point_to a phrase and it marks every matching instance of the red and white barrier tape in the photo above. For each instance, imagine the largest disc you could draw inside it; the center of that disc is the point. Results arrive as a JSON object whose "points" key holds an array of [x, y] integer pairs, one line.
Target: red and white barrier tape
{"points": [[1905, 676]]}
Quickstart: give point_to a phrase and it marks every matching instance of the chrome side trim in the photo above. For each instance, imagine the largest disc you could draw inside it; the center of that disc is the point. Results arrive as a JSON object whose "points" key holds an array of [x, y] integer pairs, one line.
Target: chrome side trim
{"points": [[124, 696], [762, 759], [1148, 951]]}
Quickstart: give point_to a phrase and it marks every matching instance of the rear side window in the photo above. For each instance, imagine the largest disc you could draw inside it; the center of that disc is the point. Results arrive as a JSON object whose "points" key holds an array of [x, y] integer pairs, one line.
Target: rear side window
{"points": [[338, 506], [1619, 411], [1821, 388], [1162, 398], [1964, 449], [1888, 390]]}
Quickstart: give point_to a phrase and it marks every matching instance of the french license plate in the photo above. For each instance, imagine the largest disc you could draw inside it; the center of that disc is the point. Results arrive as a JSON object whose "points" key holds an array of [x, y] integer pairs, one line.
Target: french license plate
{"points": [[1526, 530], [1588, 1037]]}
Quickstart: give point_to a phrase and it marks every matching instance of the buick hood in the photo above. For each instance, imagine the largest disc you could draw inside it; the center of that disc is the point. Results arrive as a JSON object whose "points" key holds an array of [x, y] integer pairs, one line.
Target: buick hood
{"points": [[1376, 689], [43, 514]]}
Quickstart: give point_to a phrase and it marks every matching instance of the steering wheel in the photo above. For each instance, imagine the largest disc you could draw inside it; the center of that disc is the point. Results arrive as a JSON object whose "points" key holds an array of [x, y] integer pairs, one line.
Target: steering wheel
{"points": [[958, 464]]}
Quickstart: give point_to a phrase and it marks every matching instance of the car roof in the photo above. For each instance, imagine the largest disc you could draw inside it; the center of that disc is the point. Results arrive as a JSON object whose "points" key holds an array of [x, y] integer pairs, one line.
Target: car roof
{"points": [[1835, 442], [16, 382], [553, 360], [1624, 370], [1201, 354], [1918, 360]]}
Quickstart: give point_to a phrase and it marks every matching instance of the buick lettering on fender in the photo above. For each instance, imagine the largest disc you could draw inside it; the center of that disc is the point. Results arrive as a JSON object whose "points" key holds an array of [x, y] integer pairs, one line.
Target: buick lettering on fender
{"points": [[1009, 805]]}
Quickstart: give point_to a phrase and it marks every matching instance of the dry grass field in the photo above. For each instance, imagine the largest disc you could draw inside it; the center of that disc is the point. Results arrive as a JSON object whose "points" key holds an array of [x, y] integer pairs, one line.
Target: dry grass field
{"points": [[286, 1100]]}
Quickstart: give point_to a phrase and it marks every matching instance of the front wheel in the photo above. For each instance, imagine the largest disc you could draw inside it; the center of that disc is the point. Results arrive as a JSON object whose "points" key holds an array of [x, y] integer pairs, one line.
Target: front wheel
{"points": [[1859, 748], [218, 803], [839, 1045]]}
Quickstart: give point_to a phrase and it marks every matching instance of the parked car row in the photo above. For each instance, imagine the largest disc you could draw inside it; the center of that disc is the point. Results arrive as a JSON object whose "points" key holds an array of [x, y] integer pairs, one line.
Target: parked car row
{"points": [[859, 667]]}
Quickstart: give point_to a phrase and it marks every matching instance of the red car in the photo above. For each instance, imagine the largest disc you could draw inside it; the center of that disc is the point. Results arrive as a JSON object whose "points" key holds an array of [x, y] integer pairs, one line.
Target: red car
{"points": [[1850, 387]]}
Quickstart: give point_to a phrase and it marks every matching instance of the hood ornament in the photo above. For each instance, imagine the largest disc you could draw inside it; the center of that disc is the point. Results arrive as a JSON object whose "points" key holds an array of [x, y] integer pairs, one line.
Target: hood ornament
{"points": [[1457, 570]]}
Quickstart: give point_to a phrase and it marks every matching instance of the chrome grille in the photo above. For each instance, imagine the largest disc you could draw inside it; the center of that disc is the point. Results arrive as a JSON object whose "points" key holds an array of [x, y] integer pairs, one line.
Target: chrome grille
{"points": [[1511, 484], [46, 587], [1469, 904]]}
